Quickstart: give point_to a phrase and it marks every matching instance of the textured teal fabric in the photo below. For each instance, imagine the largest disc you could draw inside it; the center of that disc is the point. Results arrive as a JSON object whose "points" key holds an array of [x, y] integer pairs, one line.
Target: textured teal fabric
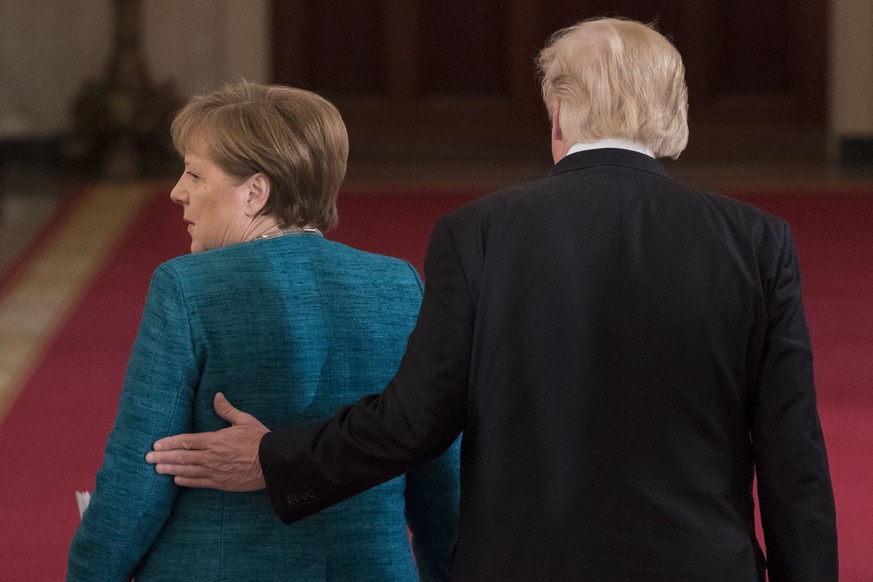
{"points": [[289, 329]]}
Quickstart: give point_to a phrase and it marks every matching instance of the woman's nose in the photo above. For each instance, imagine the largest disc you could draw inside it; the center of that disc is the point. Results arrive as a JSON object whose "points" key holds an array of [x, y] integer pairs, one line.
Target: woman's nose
{"points": [[176, 194]]}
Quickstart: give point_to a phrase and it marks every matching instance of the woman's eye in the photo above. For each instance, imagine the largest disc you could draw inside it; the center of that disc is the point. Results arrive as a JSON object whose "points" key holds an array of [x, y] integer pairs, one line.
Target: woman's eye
{"points": [[193, 175]]}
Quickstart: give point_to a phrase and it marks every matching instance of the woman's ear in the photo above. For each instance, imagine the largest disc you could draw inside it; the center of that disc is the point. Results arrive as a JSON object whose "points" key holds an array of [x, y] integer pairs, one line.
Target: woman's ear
{"points": [[257, 193]]}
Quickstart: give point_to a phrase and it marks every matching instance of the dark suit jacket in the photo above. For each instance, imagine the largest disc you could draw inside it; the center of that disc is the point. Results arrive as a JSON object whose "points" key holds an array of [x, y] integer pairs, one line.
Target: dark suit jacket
{"points": [[622, 353]]}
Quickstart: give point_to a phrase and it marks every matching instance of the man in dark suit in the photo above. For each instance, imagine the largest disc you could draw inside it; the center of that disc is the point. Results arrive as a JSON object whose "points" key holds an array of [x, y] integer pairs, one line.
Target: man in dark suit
{"points": [[623, 354]]}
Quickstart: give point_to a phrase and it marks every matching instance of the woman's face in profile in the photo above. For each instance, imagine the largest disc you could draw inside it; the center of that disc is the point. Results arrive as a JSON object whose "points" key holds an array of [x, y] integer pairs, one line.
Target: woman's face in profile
{"points": [[213, 202]]}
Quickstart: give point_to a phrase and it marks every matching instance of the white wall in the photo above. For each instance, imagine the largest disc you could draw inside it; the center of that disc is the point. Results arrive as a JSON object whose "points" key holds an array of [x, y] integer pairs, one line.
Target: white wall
{"points": [[851, 70], [46, 49], [199, 43], [49, 48]]}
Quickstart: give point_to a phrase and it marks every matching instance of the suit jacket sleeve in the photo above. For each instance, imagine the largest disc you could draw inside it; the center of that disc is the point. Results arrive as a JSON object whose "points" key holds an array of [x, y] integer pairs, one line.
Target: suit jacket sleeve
{"points": [[794, 487], [131, 502], [418, 415]]}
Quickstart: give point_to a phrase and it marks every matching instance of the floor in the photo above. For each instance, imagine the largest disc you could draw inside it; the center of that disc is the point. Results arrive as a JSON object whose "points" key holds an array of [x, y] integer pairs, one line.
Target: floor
{"points": [[29, 193], [31, 189]]}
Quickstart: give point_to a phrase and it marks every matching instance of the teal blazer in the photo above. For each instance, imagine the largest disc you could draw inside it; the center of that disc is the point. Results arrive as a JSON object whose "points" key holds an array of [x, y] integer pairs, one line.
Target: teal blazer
{"points": [[290, 329]]}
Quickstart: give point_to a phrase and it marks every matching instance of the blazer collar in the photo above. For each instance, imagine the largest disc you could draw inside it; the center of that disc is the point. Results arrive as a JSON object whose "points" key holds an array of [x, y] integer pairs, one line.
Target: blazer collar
{"points": [[608, 157]]}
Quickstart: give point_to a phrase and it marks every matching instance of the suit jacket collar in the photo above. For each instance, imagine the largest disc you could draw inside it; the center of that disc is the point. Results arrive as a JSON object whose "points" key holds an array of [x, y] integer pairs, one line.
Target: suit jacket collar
{"points": [[608, 157]]}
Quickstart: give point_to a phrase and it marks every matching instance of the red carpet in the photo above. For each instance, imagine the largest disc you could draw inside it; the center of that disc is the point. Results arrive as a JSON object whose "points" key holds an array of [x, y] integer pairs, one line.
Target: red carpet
{"points": [[52, 438]]}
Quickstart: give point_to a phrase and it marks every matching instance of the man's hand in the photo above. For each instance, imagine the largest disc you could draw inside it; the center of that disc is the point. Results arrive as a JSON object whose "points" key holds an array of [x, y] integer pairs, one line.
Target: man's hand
{"points": [[226, 459]]}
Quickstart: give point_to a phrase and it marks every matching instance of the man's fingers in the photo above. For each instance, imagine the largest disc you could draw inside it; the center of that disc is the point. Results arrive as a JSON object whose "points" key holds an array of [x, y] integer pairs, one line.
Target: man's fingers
{"points": [[202, 481], [178, 457], [188, 471], [180, 441], [226, 459]]}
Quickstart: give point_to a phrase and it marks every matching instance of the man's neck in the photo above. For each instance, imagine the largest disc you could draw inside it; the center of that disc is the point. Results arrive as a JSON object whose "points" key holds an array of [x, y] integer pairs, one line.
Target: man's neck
{"points": [[610, 143]]}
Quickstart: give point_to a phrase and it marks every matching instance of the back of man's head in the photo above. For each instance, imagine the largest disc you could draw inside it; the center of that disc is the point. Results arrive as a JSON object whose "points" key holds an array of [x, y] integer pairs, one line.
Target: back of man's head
{"points": [[616, 78]]}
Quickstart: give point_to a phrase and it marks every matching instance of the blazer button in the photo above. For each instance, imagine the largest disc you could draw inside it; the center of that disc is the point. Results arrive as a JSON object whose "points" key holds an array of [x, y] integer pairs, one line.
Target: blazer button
{"points": [[299, 496]]}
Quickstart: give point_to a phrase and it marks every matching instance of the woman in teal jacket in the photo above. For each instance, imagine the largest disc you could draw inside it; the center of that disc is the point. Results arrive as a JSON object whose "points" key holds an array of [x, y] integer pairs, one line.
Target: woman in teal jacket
{"points": [[287, 324]]}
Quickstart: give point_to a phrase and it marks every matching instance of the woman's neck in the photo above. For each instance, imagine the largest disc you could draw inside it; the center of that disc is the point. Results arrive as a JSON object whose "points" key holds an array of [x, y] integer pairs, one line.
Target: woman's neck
{"points": [[259, 226]]}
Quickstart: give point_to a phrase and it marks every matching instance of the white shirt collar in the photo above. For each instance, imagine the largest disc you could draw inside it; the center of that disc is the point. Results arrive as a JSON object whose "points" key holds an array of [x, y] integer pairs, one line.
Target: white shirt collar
{"points": [[611, 143]]}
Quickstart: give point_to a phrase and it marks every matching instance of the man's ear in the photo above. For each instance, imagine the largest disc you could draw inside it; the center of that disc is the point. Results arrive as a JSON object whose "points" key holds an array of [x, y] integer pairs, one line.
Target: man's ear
{"points": [[557, 134], [559, 146], [257, 193]]}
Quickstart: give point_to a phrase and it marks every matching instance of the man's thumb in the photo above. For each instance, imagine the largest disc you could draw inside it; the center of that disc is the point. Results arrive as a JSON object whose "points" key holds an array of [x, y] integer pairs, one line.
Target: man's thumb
{"points": [[225, 410]]}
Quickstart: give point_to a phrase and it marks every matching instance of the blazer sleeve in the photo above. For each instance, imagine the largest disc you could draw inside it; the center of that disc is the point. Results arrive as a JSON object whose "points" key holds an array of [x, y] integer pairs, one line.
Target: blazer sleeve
{"points": [[131, 502], [432, 496], [794, 486], [417, 416]]}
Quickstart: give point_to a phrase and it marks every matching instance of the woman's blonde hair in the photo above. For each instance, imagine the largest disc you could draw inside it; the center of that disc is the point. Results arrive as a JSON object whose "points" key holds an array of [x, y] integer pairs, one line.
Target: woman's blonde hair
{"points": [[294, 137], [616, 78]]}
